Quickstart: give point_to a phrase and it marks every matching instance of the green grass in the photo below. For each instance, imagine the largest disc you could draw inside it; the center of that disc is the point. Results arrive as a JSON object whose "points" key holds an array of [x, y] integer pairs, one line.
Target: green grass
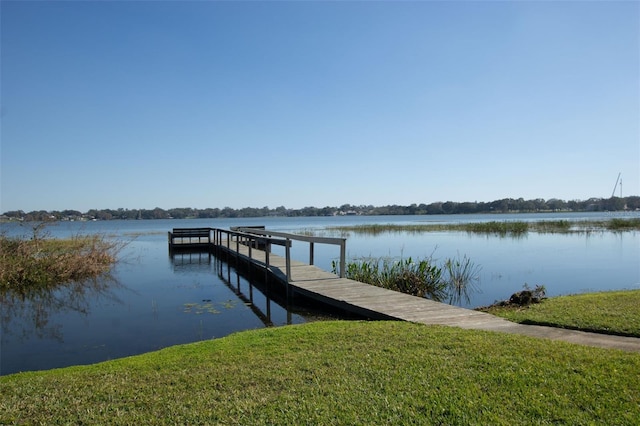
{"points": [[340, 373], [614, 312]]}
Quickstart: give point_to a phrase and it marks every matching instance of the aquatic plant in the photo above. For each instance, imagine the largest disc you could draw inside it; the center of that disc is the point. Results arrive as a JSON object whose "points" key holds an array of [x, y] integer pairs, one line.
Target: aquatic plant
{"points": [[503, 228], [553, 226], [499, 228], [419, 278], [462, 279], [452, 282], [623, 224]]}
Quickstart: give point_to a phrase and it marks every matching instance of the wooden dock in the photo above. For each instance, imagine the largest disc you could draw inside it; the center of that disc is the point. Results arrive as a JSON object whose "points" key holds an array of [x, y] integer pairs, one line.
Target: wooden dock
{"points": [[190, 239], [379, 303], [365, 299]]}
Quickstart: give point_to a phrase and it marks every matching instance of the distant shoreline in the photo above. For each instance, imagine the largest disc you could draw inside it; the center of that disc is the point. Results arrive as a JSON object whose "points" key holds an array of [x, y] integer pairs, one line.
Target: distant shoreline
{"points": [[504, 206]]}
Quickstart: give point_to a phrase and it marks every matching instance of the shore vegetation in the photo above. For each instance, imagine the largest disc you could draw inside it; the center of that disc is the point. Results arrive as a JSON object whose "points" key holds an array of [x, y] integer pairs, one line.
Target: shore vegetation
{"points": [[42, 262]]}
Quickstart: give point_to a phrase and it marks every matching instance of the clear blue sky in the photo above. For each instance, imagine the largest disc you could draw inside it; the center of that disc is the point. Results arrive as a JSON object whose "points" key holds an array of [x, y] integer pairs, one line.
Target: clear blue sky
{"points": [[248, 104]]}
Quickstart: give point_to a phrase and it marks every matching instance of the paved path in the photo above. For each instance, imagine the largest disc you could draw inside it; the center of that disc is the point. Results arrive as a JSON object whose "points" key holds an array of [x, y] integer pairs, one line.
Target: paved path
{"points": [[379, 303]]}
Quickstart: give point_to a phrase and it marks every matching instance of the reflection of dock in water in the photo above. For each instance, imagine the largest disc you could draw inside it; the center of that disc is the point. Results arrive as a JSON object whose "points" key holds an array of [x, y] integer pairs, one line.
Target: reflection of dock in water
{"points": [[249, 299], [251, 292], [185, 261]]}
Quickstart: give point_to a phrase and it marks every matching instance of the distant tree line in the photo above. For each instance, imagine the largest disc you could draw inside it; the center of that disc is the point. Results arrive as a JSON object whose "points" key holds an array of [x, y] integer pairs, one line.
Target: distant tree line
{"points": [[506, 205]]}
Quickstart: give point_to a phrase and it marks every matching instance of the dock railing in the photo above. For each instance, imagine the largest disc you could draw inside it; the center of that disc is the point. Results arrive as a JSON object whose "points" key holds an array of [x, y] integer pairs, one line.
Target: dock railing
{"points": [[189, 234], [252, 237], [227, 238], [260, 231]]}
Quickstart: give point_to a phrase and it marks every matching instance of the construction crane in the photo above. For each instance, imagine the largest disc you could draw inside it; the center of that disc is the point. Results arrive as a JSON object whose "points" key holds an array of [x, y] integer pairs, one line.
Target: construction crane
{"points": [[613, 194]]}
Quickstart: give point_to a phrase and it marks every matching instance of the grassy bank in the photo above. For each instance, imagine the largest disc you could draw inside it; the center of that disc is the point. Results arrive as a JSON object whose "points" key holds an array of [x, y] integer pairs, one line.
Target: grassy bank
{"points": [[39, 262], [503, 228], [614, 312], [340, 373]]}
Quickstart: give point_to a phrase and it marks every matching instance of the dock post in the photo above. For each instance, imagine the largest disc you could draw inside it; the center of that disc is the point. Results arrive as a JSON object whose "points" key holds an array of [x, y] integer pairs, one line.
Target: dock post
{"points": [[311, 253], [343, 261], [237, 251], [249, 261], [288, 268], [266, 267], [288, 259]]}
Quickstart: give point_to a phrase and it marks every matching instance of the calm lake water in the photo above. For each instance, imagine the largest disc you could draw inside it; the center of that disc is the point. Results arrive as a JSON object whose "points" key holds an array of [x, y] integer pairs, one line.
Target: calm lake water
{"points": [[154, 301]]}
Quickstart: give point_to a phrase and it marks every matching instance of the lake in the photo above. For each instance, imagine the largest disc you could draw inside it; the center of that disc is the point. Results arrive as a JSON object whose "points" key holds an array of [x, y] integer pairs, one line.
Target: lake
{"points": [[154, 301]]}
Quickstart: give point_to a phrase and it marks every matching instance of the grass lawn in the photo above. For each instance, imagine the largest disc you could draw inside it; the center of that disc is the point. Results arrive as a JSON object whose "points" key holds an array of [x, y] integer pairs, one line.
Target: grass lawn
{"points": [[611, 312], [340, 372]]}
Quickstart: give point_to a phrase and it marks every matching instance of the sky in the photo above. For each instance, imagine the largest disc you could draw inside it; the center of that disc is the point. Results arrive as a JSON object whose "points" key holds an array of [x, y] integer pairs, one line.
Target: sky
{"points": [[144, 104]]}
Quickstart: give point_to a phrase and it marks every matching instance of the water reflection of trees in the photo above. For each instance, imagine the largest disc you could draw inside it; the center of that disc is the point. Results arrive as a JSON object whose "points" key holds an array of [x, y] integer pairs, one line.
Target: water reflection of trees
{"points": [[29, 313]]}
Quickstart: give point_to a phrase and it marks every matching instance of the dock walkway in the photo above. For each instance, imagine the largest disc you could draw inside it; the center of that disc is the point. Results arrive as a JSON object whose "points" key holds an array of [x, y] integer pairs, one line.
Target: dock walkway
{"points": [[379, 303]]}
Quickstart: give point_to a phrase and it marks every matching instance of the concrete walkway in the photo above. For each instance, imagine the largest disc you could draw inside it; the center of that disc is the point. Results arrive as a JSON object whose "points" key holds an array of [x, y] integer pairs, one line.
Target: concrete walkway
{"points": [[630, 344]]}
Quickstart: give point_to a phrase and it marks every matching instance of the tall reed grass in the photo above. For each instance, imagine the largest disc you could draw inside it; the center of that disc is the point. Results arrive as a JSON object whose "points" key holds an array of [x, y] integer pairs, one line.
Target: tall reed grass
{"points": [[503, 228], [452, 282], [462, 279], [47, 262], [623, 224]]}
